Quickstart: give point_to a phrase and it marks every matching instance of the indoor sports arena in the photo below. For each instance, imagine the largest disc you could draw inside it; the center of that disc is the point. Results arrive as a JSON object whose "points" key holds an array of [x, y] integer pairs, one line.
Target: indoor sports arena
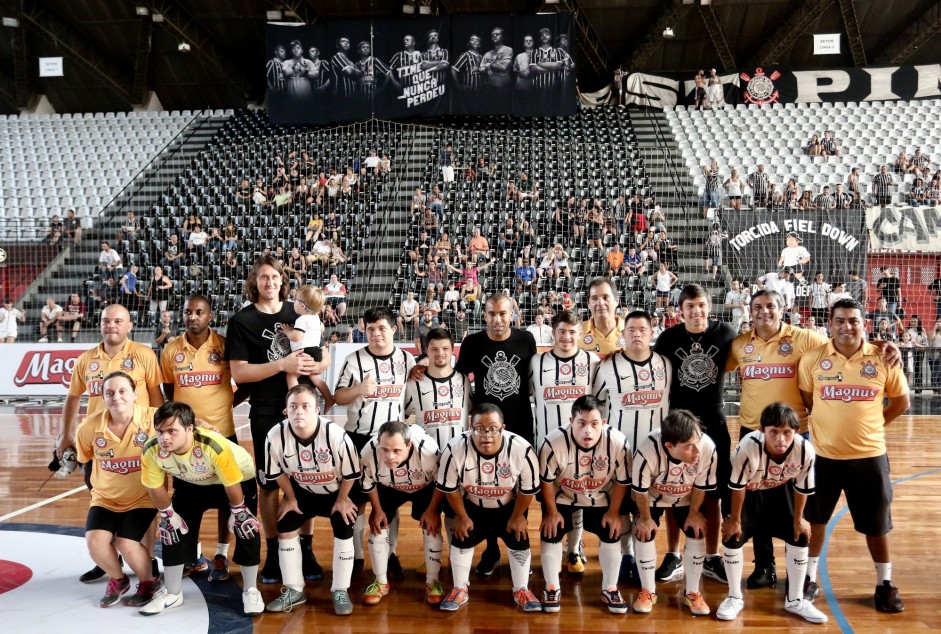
{"points": [[526, 315]]}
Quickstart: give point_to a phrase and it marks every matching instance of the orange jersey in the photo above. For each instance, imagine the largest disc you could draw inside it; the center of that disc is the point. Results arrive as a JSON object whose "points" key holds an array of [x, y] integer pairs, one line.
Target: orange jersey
{"points": [[116, 462], [201, 379], [593, 340], [847, 422], [769, 371], [134, 359]]}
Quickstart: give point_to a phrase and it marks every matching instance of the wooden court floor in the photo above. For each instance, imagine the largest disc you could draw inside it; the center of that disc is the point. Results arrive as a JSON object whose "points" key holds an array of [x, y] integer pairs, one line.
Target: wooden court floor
{"points": [[846, 572]]}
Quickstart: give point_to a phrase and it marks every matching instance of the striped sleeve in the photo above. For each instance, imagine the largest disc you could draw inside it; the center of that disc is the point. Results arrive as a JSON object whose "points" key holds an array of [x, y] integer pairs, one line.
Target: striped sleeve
{"points": [[368, 463], [274, 452], [706, 478], [449, 479], [346, 451], [622, 462], [742, 465], [549, 463], [529, 471], [805, 482]]}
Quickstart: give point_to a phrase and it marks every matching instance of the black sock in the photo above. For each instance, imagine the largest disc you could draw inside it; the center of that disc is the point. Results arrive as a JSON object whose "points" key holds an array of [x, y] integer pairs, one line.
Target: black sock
{"points": [[272, 544], [307, 542]]}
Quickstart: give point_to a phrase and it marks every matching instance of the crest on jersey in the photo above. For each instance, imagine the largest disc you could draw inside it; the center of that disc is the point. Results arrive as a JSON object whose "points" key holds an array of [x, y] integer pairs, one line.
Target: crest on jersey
{"points": [[416, 474], [785, 348], [400, 472], [306, 455], [323, 455], [869, 370], [398, 367], [584, 461], [658, 373], [749, 348], [214, 357], [163, 455], [487, 467], [128, 363], [792, 469], [443, 391], [457, 390], [565, 369], [600, 463], [588, 339], [503, 470], [197, 452], [384, 367], [690, 469], [200, 467], [643, 374], [502, 379], [100, 442], [775, 470], [93, 366], [179, 357], [676, 471], [760, 89], [581, 369], [826, 364], [139, 438]]}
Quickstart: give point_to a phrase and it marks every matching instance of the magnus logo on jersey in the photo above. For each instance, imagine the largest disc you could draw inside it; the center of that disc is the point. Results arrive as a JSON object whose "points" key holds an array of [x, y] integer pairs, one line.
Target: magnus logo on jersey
{"points": [[582, 485], [438, 417], [324, 477], [642, 398], [563, 392], [121, 467], [198, 379], [848, 393], [768, 371], [387, 391], [486, 492], [673, 489], [43, 368]]}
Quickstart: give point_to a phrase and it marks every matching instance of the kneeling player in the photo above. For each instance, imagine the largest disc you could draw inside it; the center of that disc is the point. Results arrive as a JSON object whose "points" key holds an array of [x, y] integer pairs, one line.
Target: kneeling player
{"points": [[585, 466], [490, 476], [403, 461], [674, 466], [209, 472], [315, 464], [772, 475]]}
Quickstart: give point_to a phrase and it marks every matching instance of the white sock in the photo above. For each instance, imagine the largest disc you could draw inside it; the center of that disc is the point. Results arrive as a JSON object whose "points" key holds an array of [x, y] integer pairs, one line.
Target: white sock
{"points": [[574, 538], [627, 535], [796, 566], [883, 572], [733, 571], [249, 576], [359, 527], [694, 552], [343, 553], [550, 556], [289, 556], [222, 549], [812, 568], [610, 557], [173, 578], [379, 554], [519, 567], [432, 546], [199, 550], [461, 560], [647, 564], [394, 533]]}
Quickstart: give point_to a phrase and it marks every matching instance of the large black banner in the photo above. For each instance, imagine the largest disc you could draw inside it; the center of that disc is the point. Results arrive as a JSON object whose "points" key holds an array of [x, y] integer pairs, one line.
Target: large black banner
{"points": [[762, 242], [397, 68]]}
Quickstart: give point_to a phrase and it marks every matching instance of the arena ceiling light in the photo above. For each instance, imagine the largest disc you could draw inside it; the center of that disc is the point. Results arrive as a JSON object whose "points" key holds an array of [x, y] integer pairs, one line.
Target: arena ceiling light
{"points": [[424, 10], [142, 11], [183, 47], [274, 15], [11, 22], [408, 8], [668, 33]]}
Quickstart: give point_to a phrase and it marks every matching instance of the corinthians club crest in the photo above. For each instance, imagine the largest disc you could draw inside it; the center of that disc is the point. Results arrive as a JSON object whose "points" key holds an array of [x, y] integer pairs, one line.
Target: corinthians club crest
{"points": [[502, 379], [698, 369], [760, 89]]}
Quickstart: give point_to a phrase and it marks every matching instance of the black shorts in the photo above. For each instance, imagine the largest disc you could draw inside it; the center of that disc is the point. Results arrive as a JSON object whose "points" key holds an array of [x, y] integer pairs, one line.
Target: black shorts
{"points": [[190, 502], [314, 505], [132, 525], [391, 499], [260, 426], [768, 512], [315, 352], [680, 513], [719, 433], [591, 522], [883, 200], [868, 488], [490, 523]]}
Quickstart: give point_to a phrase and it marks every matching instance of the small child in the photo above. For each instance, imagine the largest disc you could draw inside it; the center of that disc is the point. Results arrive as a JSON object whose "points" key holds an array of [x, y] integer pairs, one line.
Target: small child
{"points": [[306, 334]]}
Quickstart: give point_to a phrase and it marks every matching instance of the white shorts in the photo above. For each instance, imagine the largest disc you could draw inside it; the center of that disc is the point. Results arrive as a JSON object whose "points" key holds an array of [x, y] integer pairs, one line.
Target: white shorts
{"points": [[447, 173]]}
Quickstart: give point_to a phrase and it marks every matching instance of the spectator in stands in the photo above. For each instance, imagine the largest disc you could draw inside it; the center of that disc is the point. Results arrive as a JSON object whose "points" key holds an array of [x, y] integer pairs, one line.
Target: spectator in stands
{"points": [[477, 244], [841, 199], [715, 94], [484, 169], [73, 313], [130, 228], [647, 243], [372, 162], [173, 254], [54, 231], [418, 200], [712, 249], [244, 191], [819, 293], [260, 193], [734, 187], [470, 277], [314, 228], [839, 292], [459, 325], [429, 222], [128, 293], [159, 290], [408, 315], [385, 165], [638, 219], [760, 184], [541, 331], [829, 146], [296, 265], [882, 184], [884, 311], [813, 147], [663, 281], [470, 174], [73, 227], [634, 263], [436, 201], [109, 262], [916, 195], [452, 298], [615, 259], [670, 317], [165, 331], [858, 288], [320, 253], [527, 189], [853, 185], [806, 202], [526, 235], [902, 165], [50, 317], [335, 293], [422, 249], [594, 227], [555, 263], [700, 80], [737, 301], [446, 160], [9, 316], [890, 289], [432, 304], [666, 249], [883, 331], [825, 201], [442, 249], [933, 191], [348, 183], [710, 197], [229, 269], [526, 275], [198, 242]]}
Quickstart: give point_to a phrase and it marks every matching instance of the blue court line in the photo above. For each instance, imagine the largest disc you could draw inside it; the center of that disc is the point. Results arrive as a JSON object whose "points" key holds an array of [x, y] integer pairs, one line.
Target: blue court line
{"points": [[832, 601]]}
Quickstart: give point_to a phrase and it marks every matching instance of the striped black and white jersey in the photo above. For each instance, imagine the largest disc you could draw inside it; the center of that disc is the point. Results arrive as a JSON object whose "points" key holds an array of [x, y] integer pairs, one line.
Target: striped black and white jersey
{"points": [[753, 468], [437, 55], [374, 72], [415, 473], [712, 179], [584, 477], [825, 201], [489, 481], [275, 73], [346, 84], [882, 184], [365, 414], [828, 144], [557, 383], [638, 393], [843, 200], [468, 69], [547, 55], [403, 59], [922, 160], [669, 482], [318, 464], [759, 181], [441, 406]]}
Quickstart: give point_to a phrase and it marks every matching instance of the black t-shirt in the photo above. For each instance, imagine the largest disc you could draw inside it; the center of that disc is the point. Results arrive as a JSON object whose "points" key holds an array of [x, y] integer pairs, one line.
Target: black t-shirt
{"points": [[890, 288], [256, 337], [501, 375], [698, 368], [935, 288]]}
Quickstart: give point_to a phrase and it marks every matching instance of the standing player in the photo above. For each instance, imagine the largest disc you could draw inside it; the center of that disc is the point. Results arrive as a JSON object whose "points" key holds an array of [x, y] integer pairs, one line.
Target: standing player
{"points": [[399, 465], [585, 466], [259, 353], [843, 383], [636, 384], [602, 333], [772, 475], [346, 74], [466, 70], [489, 475], [435, 59], [398, 68], [209, 472], [315, 464], [372, 386], [196, 373], [547, 63], [120, 516], [697, 350], [673, 467], [441, 398], [558, 378]]}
